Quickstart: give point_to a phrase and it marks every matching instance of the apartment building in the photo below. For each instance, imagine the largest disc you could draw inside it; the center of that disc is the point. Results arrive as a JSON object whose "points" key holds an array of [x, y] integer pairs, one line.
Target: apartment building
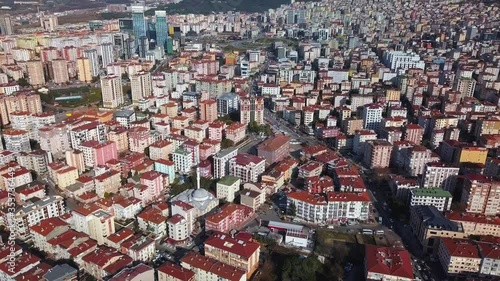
{"points": [[173, 272], [17, 140], [93, 221], [207, 268], [476, 224], [236, 132], [240, 253], [221, 161], [382, 263], [208, 110], [439, 174], [441, 199], [377, 154], [459, 256], [274, 149], [34, 211], [183, 160], [481, 194], [247, 167], [230, 217], [429, 224], [331, 207], [227, 187]]}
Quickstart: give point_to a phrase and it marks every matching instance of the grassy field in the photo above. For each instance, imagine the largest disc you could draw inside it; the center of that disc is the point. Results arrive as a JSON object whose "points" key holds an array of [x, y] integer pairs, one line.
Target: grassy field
{"points": [[89, 95]]}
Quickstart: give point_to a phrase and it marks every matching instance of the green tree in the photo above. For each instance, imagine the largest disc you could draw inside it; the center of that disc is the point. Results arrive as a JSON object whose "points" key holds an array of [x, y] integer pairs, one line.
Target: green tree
{"points": [[226, 143], [23, 82], [107, 195], [34, 144]]}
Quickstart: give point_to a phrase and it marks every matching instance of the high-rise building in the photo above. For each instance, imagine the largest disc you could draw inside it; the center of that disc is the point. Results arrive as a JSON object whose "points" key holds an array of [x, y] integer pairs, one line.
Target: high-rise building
{"points": [[252, 109], [161, 27], [129, 48], [107, 54], [91, 54], [143, 46], [36, 76], [112, 91], [60, 71], [5, 25], [49, 23], [208, 110], [138, 21], [481, 194], [84, 73], [227, 103], [140, 84], [377, 154], [372, 116]]}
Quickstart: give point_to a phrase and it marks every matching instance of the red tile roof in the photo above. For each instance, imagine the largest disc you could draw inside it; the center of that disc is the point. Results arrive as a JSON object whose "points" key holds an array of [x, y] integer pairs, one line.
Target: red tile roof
{"points": [[47, 226], [176, 271], [244, 159], [226, 243], [460, 248], [211, 265], [121, 235], [388, 261]]}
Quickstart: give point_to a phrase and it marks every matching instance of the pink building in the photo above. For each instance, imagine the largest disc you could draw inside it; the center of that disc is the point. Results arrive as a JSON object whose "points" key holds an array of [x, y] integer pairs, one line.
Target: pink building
{"points": [[139, 138], [194, 147], [206, 150], [104, 152], [236, 132], [231, 216], [215, 130], [155, 182], [205, 169]]}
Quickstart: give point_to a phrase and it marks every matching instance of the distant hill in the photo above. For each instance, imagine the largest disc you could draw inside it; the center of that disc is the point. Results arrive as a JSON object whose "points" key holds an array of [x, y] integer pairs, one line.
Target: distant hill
{"points": [[216, 6]]}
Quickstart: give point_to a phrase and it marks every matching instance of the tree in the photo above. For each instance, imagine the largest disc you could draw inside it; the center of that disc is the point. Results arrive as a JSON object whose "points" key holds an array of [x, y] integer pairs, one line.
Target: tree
{"points": [[226, 143], [107, 195], [23, 82], [34, 144]]}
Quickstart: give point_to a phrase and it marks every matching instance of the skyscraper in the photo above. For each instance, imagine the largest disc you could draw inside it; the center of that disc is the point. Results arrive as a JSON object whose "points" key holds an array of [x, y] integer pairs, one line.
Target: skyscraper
{"points": [[143, 46], [138, 21], [140, 84], [60, 71], [161, 28], [91, 54], [112, 91], [5, 25], [107, 54], [252, 109]]}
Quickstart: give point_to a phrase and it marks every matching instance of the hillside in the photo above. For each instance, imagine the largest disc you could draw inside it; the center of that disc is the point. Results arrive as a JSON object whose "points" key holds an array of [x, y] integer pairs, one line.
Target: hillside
{"points": [[215, 6]]}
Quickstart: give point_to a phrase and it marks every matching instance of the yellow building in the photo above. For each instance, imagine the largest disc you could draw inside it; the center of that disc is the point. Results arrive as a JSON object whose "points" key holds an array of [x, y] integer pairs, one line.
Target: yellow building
{"points": [[83, 66], [231, 58], [36, 76], [66, 176], [393, 95], [120, 137], [473, 155]]}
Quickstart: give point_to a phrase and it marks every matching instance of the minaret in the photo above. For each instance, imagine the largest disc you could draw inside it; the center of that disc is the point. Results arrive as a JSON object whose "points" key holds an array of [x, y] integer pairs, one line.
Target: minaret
{"points": [[197, 177]]}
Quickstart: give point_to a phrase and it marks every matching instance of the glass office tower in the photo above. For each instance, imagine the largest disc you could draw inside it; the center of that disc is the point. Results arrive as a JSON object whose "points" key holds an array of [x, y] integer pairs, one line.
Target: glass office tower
{"points": [[138, 21], [161, 27]]}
